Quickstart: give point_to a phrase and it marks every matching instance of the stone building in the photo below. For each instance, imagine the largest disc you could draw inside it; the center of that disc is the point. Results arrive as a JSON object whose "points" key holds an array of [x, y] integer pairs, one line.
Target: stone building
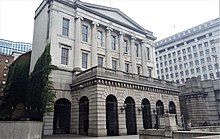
{"points": [[105, 83], [200, 101]]}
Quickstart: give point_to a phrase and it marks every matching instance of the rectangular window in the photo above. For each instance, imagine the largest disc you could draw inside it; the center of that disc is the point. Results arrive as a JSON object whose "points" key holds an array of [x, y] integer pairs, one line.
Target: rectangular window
{"points": [[202, 61], [99, 38], [148, 53], [207, 52], [204, 68], [197, 62], [201, 53], [84, 60], [184, 51], [179, 59], [206, 44], [213, 50], [210, 67], [100, 61], [85, 33], [212, 42], [190, 56], [139, 70], [137, 50], [194, 48], [178, 52], [191, 63], [149, 71], [205, 76], [65, 28], [165, 63], [64, 56], [200, 46], [192, 71], [126, 67], [189, 49], [211, 75], [198, 70], [208, 59], [113, 40], [125, 46], [174, 54], [114, 64]]}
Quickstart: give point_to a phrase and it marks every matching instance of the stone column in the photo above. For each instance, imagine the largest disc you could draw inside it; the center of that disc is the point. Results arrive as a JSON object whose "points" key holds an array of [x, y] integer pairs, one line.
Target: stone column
{"points": [[94, 44], [144, 57], [77, 42], [108, 48], [133, 56], [121, 52], [153, 59]]}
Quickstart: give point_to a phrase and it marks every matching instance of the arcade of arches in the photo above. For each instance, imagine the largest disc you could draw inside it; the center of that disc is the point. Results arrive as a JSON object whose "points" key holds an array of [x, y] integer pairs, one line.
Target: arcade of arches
{"points": [[114, 113]]}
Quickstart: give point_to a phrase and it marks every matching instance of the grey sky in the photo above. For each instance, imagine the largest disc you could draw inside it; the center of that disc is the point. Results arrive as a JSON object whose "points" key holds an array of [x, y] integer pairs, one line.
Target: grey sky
{"points": [[163, 17]]}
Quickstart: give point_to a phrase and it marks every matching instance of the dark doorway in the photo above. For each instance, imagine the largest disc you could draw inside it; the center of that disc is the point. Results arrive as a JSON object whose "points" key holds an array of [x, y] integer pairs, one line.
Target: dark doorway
{"points": [[159, 111], [83, 115], [172, 108], [130, 116], [111, 116], [146, 113], [61, 120]]}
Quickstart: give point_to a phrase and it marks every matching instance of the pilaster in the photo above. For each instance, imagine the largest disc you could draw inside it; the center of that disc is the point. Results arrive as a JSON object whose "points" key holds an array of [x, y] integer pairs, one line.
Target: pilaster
{"points": [[133, 56], [94, 44], [144, 57], [108, 48], [77, 41], [121, 51]]}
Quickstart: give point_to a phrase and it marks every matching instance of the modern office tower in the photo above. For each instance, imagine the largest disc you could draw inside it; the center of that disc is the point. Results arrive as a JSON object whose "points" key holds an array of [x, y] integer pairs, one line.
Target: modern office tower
{"points": [[9, 47], [194, 52], [105, 78]]}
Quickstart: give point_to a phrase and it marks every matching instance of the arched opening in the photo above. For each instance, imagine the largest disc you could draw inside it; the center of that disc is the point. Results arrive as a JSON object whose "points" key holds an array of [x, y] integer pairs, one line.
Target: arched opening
{"points": [[61, 120], [172, 108], [111, 116], [146, 113], [159, 107], [159, 111], [83, 115], [130, 116]]}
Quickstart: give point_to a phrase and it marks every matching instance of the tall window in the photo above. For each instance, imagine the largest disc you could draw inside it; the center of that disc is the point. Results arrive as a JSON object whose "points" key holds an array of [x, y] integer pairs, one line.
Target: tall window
{"points": [[126, 67], [137, 50], [113, 39], [149, 69], [65, 29], [84, 60], [148, 53], [114, 64], [100, 61], [99, 37], [125, 46], [138, 70], [64, 56], [85, 33]]}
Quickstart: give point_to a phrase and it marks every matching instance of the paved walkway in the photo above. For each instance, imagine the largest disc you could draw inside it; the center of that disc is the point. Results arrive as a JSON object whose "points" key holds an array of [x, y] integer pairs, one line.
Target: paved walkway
{"points": [[86, 137]]}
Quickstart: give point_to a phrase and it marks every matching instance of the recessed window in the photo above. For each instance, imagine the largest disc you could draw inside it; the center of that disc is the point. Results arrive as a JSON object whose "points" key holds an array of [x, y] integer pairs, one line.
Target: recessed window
{"points": [[148, 53], [85, 33], [64, 56], [149, 69], [65, 28], [125, 46], [137, 50], [139, 70], [113, 42], [84, 60], [99, 37], [100, 61], [114, 64], [126, 67]]}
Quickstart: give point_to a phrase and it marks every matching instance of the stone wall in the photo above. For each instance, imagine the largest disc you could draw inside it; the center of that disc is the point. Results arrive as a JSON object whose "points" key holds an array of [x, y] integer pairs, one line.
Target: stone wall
{"points": [[20, 130]]}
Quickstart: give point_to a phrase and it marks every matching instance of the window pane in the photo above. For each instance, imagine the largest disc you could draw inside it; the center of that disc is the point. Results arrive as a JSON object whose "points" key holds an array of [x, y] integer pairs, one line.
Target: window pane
{"points": [[99, 37], [100, 61], [84, 60], [65, 29], [84, 33], [113, 39], [64, 56]]}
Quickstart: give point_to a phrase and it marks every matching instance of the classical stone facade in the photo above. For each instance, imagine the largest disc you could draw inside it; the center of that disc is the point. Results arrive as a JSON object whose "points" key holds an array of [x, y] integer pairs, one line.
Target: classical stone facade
{"points": [[105, 81], [200, 101]]}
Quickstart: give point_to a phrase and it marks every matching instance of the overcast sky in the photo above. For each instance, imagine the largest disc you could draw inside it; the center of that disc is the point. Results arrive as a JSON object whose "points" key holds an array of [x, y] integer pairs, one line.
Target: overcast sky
{"points": [[163, 17]]}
